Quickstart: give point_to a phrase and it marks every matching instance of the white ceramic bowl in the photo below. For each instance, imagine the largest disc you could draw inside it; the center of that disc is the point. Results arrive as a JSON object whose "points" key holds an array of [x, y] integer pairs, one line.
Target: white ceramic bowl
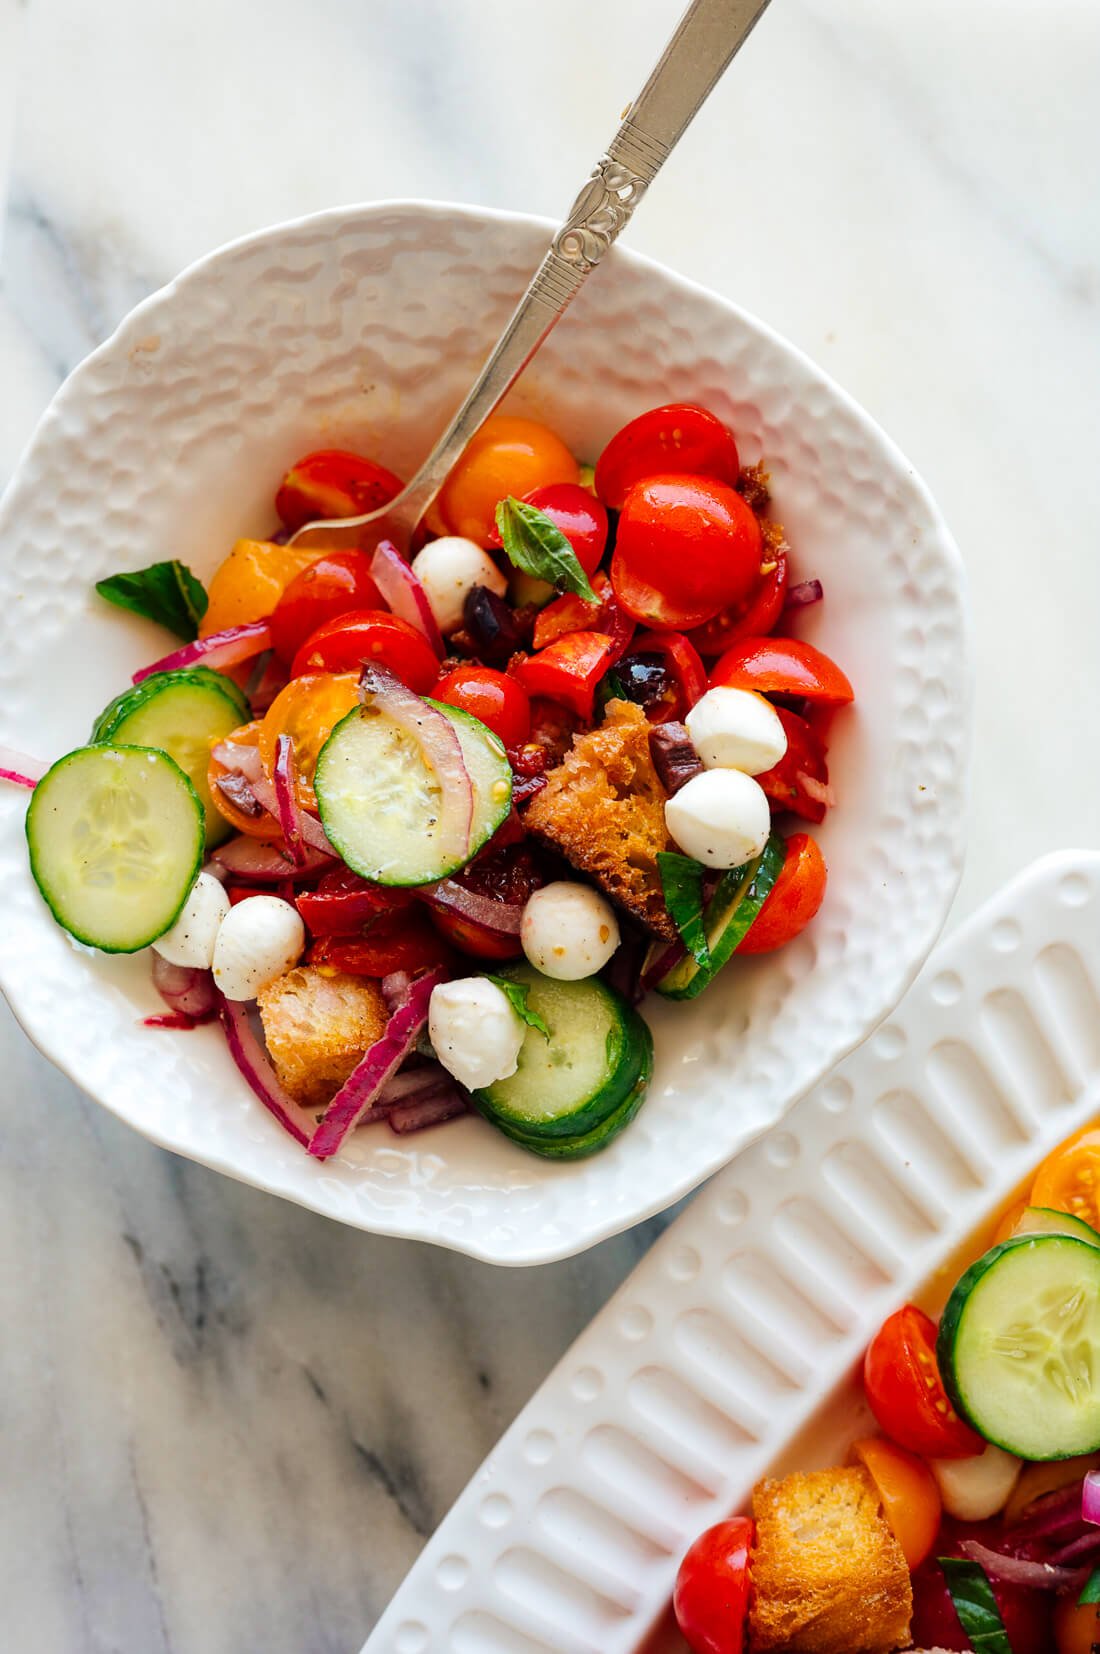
{"points": [[362, 328]]}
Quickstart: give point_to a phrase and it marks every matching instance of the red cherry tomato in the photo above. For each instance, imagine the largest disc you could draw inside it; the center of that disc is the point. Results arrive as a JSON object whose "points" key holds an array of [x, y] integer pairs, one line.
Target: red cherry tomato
{"points": [[755, 616], [711, 1596], [685, 548], [783, 666], [1025, 1612], [685, 674], [793, 783], [906, 1394], [568, 670], [509, 874], [403, 942], [498, 700], [580, 516], [793, 899], [679, 437], [374, 636], [343, 904], [337, 582], [333, 483]]}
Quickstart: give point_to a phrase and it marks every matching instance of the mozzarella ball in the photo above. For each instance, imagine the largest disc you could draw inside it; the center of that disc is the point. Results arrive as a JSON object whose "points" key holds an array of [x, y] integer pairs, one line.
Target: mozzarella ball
{"points": [[733, 729], [190, 941], [474, 1031], [720, 817], [975, 1489], [448, 569], [259, 939], [568, 930]]}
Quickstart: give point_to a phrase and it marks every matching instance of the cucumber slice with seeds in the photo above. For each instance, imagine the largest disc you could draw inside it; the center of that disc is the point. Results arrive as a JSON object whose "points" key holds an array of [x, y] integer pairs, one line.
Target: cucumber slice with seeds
{"points": [[115, 835]]}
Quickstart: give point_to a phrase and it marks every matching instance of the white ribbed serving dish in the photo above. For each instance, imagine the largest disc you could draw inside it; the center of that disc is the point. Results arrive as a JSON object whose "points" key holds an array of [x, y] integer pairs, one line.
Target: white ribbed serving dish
{"points": [[732, 1349]]}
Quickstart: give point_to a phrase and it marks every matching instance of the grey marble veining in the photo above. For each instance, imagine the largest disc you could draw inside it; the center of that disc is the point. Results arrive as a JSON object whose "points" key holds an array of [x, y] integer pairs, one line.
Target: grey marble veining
{"points": [[227, 1425]]}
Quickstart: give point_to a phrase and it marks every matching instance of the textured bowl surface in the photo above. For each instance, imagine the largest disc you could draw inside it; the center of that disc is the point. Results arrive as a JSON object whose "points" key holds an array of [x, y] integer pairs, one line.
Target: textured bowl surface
{"points": [[362, 328]]}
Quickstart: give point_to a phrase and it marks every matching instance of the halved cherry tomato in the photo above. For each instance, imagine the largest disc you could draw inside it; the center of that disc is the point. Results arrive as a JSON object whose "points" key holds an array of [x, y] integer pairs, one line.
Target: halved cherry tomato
{"points": [[906, 1394], [572, 614], [909, 1493], [250, 582], [794, 783], [343, 904], [508, 455], [685, 548], [1069, 1179], [754, 616], [336, 582], [792, 901], [261, 826], [581, 517], [333, 483], [498, 700], [683, 680], [711, 1596], [307, 710], [404, 942], [510, 874], [783, 666], [1076, 1626], [679, 437], [1007, 1226], [568, 670], [374, 637]]}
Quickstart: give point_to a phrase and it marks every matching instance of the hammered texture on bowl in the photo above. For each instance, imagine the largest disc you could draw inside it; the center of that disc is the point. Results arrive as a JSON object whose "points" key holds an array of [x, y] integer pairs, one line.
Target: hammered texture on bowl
{"points": [[362, 328]]}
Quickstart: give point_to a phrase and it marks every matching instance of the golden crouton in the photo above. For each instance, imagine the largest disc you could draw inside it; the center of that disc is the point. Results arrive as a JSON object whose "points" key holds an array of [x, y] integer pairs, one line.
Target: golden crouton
{"points": [[828, 1575], [318, 1024], [603, 808]]}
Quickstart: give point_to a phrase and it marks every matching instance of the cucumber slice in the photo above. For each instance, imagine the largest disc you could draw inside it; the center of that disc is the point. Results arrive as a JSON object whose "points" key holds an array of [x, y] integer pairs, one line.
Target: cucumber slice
{"points": [[598, 1055], [740, 895], [115, 835], [1044, 1220], [589, 1142], [184, 714], [1017, 1346], [376, 796]]}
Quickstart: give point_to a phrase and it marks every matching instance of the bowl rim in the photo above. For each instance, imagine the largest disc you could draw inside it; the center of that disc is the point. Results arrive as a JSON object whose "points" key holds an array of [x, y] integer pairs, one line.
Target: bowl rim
{"points": [[395, 1223]]}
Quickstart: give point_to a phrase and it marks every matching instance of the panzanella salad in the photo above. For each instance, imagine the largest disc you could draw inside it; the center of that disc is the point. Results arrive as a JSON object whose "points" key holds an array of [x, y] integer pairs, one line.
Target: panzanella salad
{"points": [[422, 834]]}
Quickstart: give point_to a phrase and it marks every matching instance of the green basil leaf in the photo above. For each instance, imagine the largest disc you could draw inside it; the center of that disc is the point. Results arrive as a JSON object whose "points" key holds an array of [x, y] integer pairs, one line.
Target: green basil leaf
{"points": [[682, 885], [167, 593], [1091, 1592], [975, 1605], [516, 995], [537, 546]]}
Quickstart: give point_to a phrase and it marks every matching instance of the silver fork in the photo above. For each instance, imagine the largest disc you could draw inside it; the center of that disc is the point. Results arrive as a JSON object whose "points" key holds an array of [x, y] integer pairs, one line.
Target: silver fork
{"points": [[707, 38]]}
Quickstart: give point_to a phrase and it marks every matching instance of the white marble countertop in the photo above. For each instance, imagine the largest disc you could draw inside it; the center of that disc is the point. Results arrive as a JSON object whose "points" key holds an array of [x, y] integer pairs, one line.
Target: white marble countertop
{"points": [[229, 1424]]}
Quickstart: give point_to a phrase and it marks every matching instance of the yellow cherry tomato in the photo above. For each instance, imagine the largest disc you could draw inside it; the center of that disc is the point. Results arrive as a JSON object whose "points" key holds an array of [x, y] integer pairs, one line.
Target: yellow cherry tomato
{"points": [[910, 1498], [251, 581], [307, 710], [1076, 1626], [261, 826], [508, 455], [1069, 1179]]}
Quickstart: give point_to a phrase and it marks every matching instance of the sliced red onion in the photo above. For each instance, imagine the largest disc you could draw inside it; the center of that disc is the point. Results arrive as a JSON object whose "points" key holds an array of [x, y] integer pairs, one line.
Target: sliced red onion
{"points": [[1051, 1516], [178, 1020], [259, 862], [312, 831], [1090, 1497], [412, 1082], [22, 771], [524, 788], [502, 918], [404, 593], [395, 988], [220, 649], [1076, 1552], [661, 958], [183, 989], [360, 1090], [255, 1064], [1015, 1570], [819, 791], [289, 811], [435, 735], [805, 593], [447, 1103], [245, 760]]}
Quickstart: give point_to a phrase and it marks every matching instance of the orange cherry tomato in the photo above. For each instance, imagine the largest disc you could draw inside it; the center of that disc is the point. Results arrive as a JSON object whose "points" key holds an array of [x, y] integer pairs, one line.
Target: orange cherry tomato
{"points": [[792, 901], [783, 666], [685, 549], [901, 1379], [333, 483], [680, 437], [508, 455], [1069, 1179], [251, 581], [1007, 1226], [337, 582], [374, 636], [711, 1597], [498, 700], [911, 1500], [754, 616], [307, 710], [262, 826], [1076, 1626]]}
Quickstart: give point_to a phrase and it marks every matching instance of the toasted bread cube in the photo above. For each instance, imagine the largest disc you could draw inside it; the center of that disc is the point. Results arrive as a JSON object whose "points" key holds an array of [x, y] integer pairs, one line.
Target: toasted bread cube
{"points": [[603, 808], [318, 1024], [828, 1575]]}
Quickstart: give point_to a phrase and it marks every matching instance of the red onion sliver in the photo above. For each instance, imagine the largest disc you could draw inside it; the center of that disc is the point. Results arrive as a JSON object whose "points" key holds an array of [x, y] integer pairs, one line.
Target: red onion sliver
{"points": [[255, 1064], [435, 735], [1076, 1552], [360, 1090], [311, 829], [178, 1020], [20, 769], [220, 649], [286, 800], [805, 593], [404, 593], [1052, 1516], [1090, 1497], [245, 760], [1014, 1570], [660, 962], [412, 1082], [444, 1104], [395, 988], [183, 988], [259, 862], [502, 918]]}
